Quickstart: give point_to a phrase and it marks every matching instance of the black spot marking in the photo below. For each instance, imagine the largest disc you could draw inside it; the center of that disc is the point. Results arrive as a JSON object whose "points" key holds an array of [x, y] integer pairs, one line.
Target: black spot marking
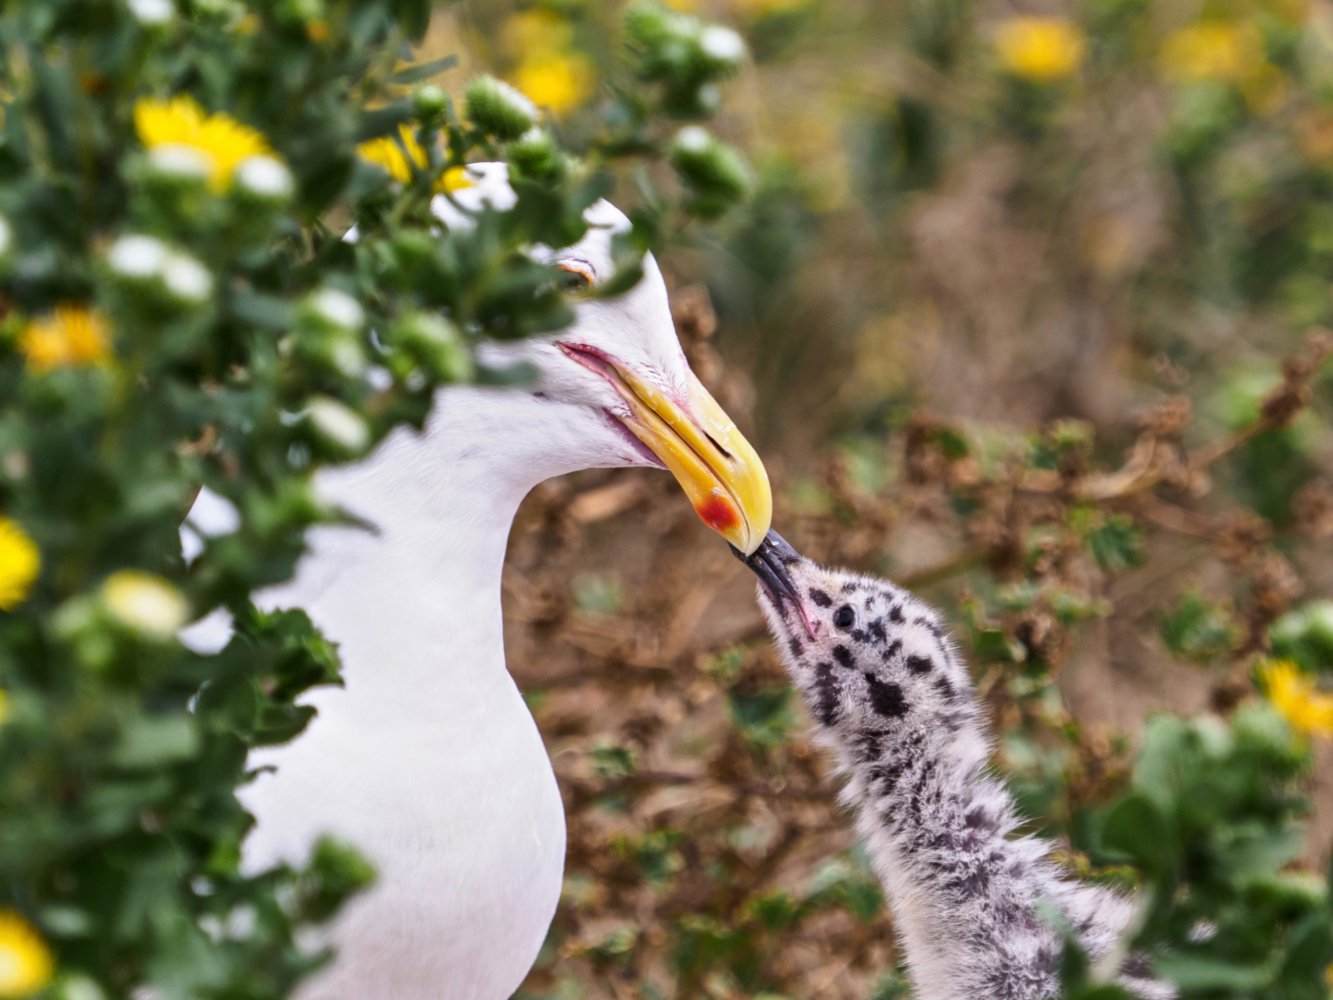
{"points": [[971, 885], [919, 664], [1136, 967], [858, 635], [796, 648], [896, 614], [869, 744], [945, 689], [843, 655], [886, 698], [850, 588], [894, 649], [886, 776], [844, 617], [929, 626], [821, 598], [870, 602], [877, 629], [923, 777], [826, 689]]}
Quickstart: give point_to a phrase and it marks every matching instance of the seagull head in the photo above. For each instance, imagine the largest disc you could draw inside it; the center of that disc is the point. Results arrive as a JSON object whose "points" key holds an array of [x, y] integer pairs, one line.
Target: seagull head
{"points": [[614, 388]]}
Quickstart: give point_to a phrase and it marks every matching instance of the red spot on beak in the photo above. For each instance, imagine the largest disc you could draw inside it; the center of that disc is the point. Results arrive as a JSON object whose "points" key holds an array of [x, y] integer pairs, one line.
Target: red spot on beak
{"points": [[718, 513]]}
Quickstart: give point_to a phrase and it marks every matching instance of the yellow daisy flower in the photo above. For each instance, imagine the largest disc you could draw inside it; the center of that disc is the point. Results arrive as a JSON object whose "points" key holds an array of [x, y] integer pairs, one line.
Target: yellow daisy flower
{"points": [[1297, 698], [70, 336], [20, 562], [1213, 50], [1041, 49], [559, 82], [25, 961], [385, 152], [535, 31], [220, 140]]}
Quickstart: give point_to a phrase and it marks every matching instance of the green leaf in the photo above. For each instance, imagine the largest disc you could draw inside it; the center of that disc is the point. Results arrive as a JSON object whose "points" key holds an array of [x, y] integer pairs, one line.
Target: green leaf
{"points": [[1135, 830], [423, 71]]}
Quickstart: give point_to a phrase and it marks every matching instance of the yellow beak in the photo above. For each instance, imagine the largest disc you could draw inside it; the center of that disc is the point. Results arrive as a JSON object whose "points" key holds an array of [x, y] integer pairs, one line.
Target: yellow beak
{"points": [[716, 467]]}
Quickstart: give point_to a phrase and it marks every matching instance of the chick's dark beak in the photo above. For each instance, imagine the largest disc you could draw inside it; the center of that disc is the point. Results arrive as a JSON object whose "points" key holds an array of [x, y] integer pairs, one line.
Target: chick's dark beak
{"points": [[770, 562]]}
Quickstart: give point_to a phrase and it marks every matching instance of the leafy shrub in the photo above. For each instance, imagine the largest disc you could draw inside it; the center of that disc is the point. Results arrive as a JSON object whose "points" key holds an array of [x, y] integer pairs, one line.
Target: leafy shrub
{"points": [[178, 308]]}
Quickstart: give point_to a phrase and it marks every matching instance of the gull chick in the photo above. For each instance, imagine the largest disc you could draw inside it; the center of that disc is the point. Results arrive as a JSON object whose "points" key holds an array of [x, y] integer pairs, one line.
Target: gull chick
{"points": [[972, 899]]}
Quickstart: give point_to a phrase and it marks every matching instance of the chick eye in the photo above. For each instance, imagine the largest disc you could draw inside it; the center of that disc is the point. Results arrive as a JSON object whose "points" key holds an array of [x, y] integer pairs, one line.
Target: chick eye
{"points": [[844, 617], [574, 276]]}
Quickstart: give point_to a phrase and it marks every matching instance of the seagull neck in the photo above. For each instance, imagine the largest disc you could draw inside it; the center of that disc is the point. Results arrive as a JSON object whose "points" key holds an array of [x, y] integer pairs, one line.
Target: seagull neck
{"points": [[441, 503]]}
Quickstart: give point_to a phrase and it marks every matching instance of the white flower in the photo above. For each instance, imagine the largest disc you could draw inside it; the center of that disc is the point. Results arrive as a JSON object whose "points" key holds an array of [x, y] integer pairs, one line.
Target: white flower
{"points": [[338, 424], [137, 257], [145, 603], [152, 12], [722, 44], [337, 308], [265, 177], [186, 278]]}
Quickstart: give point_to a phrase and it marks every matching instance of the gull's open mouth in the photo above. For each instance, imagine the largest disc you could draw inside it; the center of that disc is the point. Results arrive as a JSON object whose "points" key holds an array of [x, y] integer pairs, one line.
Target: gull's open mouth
{"points": [[697, 442]]}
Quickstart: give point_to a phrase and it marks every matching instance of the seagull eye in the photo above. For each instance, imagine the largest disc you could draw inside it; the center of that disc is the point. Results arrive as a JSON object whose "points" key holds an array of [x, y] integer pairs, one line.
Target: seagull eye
{"points": [[844, 617], [574, 276]]}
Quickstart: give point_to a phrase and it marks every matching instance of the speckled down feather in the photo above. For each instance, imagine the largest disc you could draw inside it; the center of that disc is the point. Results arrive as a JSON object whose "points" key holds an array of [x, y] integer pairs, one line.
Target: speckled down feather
{"points": [[974, 901]]}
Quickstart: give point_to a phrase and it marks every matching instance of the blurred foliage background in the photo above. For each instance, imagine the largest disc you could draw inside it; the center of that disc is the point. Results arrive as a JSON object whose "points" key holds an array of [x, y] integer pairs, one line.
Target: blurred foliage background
{"points": [[1027, 312]]}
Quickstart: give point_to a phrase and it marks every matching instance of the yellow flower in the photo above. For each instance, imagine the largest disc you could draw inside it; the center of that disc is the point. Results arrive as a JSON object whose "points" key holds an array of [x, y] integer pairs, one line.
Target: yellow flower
{"points": [[1294, 694], [387, 153], [20, 562], [219, 140], [759, 8], [559, 83], [70, 336], [1041, 49], [1213, 50], [536, 32], [25, 960]]}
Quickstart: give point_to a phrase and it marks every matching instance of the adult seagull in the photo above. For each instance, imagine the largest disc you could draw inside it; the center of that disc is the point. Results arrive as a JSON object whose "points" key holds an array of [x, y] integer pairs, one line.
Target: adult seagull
{"points": [[428, 760]]}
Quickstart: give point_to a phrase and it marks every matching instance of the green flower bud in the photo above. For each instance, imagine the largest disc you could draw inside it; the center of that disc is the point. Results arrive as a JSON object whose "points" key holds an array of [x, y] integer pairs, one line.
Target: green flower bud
{"points": [[301, 11], [331, 309], [536, 155], [166, 274], [1263, 734], [430, 101], [721, 49], [145, 604], [152, 13], [715, 173], [498, 109], [1305, 635], [660, 35], [73, 986], [337, 426], [186, 280], [180, 167], [432, 342], [265, 181]]}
